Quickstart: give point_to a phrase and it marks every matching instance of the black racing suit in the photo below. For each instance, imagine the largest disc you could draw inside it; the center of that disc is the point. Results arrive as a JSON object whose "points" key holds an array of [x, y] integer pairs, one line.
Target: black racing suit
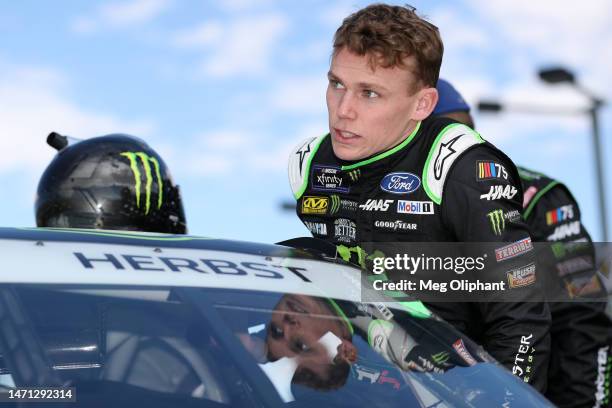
{"points": [[447, 166], [581, 331]]}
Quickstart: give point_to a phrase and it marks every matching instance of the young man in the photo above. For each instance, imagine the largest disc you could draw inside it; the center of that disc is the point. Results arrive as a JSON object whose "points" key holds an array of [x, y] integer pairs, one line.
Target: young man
{"points": [[580, 332], [388, 173]]}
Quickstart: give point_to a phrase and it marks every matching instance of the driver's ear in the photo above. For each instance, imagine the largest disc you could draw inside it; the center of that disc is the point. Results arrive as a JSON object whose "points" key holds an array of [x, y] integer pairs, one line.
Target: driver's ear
{"points": [[426, 102]]}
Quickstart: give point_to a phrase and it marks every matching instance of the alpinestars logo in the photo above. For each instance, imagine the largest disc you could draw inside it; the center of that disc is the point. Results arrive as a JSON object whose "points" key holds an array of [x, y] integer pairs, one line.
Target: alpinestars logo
{"points": [[446, 151], [135, 159], [302, 152]]}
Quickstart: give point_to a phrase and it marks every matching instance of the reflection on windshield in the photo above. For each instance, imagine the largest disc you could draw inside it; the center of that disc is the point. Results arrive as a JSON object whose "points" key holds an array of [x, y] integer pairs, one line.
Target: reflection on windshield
{"points": [[334, 352], [157, 349], [305, 343]]}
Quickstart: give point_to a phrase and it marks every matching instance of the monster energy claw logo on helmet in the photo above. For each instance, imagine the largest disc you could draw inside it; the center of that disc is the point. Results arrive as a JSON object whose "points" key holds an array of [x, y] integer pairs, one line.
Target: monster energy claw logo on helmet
{"points": [[115, 182], [146, 162]]}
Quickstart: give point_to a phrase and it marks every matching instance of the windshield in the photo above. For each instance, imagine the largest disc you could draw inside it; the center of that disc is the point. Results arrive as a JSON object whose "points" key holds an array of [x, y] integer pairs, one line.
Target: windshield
{"points": [[216, 347]]}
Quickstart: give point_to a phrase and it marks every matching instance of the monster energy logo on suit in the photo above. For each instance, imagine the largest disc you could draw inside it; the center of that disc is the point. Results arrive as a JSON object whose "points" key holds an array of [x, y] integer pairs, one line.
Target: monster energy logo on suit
{"points": [[338, 203], [498, 224], [498, 219], [354, 174], [137, 158], [440, 358]]}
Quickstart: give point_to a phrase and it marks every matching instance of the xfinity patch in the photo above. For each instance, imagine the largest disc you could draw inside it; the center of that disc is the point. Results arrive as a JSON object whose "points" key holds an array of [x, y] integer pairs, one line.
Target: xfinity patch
{"points": [[328, 178], [400, 183]]}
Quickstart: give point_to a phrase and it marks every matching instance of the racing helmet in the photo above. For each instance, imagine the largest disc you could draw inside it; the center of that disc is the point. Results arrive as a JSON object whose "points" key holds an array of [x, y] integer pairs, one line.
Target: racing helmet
{"points": [[114, 182]]}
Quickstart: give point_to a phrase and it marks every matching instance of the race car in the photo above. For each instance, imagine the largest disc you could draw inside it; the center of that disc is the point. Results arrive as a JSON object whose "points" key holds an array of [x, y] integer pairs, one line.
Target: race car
{"points": [[112, 319]]}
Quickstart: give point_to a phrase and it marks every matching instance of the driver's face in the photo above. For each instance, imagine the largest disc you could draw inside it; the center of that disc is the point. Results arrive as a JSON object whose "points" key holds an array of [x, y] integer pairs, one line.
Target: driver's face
{"points": [[369, 110], [297, 324]]}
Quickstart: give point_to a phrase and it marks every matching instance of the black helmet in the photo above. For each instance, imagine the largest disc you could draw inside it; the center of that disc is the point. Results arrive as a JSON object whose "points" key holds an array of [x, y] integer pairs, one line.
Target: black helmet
{"points": [[112, 182]]}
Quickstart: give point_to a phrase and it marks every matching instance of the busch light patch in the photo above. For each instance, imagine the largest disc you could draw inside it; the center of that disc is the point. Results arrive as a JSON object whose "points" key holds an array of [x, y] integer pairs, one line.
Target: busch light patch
{"points": [[400, 183], [328, 178], [523, 276]]}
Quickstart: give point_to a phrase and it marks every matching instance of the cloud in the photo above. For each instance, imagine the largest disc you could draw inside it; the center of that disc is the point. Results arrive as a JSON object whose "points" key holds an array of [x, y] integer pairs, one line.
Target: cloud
{"points": [[332, 16], [228, 151], [32, 104], [120, 15], [458, 33], [235, 6], [554, 31], [202, 36], [242, 46], [300, 95]]}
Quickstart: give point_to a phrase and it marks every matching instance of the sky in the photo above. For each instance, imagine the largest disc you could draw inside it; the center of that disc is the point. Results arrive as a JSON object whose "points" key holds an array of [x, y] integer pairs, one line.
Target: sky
{"points": [[223, 90]]}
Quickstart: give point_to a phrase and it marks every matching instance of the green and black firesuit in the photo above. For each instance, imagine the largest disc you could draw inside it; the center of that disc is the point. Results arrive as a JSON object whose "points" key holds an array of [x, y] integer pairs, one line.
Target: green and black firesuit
{"points": [[579, 373], [443, 183]]}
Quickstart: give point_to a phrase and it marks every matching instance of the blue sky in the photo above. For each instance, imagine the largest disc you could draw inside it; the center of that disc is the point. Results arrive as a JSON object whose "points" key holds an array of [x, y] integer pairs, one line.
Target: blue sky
{"points": [[224, 90]]}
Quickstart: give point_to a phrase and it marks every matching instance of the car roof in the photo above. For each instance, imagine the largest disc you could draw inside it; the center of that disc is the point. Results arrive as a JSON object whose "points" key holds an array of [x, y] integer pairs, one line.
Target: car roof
{"points": [[99, 257]]}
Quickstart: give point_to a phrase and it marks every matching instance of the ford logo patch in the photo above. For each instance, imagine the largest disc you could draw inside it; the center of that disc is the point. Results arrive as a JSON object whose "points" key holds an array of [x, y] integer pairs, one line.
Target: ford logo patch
{"points": [[400, 183]]}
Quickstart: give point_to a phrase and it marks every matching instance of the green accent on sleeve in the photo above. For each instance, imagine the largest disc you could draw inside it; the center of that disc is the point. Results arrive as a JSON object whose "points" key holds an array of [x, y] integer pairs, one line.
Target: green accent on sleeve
{"points": [[434, 198], [372, 325], [300, 192], [342, 315], [536, 198], [416, 308], [388, 152], [345, 253], [134, 166]]}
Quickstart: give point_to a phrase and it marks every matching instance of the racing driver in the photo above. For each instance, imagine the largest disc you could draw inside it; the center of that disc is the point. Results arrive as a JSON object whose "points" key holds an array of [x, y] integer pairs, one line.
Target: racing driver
{"points": [[387, 172]]}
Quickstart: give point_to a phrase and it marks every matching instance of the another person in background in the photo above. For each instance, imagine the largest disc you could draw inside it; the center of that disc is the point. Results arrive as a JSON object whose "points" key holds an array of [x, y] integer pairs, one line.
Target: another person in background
{"points": [[579, 373], [381, 92]]}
